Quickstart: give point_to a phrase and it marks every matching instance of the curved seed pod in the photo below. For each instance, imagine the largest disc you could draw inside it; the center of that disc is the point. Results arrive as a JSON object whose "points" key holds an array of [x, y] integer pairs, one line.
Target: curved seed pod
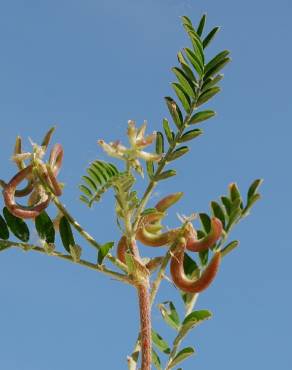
{"points": [[156, 240], [198, 245], [122, 249], [151, 218], [180, 279], [9, 194], [23, 192], [168, 201], [56, 158]]}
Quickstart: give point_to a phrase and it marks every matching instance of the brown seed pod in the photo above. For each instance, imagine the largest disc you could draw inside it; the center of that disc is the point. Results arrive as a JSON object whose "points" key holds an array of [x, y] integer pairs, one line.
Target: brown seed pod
{"points": [[56, 158], [168, 201], [198, 245], [9, 197], [180, 279]]}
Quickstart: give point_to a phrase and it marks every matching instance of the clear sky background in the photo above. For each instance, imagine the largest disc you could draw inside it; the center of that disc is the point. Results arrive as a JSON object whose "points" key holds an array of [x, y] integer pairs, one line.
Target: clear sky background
{"points": [[88, 66]]}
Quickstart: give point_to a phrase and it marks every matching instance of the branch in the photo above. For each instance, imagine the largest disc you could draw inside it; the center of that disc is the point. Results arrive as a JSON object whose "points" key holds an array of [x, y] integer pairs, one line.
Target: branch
{"points": [[31, 247]]}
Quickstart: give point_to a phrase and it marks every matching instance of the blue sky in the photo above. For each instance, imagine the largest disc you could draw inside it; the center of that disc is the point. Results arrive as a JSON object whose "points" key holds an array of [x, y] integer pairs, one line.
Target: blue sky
{"points": [[89, 66]]}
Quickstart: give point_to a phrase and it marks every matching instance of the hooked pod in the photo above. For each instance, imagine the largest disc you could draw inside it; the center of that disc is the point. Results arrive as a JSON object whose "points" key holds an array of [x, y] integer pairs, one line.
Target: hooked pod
{"points": [[197, 245], [39, 199], [9, 199], [182, 281], [149, 226]]}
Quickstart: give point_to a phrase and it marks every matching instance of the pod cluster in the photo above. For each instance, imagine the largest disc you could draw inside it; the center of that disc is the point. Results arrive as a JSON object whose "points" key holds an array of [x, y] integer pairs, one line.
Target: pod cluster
{"points": [[149, 233], [38, 175]]}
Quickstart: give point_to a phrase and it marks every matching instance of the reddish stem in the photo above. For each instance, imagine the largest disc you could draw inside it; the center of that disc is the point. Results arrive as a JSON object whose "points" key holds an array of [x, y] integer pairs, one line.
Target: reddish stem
{"points": [[145, 324]]}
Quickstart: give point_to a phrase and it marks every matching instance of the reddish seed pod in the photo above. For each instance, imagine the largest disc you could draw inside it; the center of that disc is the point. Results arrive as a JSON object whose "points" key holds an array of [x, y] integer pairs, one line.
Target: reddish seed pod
{"points": [[180, 279], [198, 245], [56, 158], [168, 201], [9, 197]]}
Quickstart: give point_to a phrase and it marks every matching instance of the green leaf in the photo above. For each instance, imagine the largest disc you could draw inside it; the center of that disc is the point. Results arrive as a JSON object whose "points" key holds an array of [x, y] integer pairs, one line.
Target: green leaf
{"points": [[205, 221], [160, 343], [183, 97], [66, 234], [210, 36], [91, 183], [186, 21], [234, 193], [218, 212], [150, 169], [229, 247], [207, 95], [167, 130], [178, 153], [174, 111], [236, 212], [181, 356], [227, 204], [86, 190], [201, 25], [186, 68], [186, 84], [214, 61], [192, 320], [4, 232], [45, 227], [84, 200], [204, 256], [195, 61], [169, 314], [191, 268], [220, 65], [156, 360], [211, 81], [197, 45], [251, 201], [159, 143], [165, 175], [16, 225], [202, 116], [190, 135], [103, 251], [254, 187]]}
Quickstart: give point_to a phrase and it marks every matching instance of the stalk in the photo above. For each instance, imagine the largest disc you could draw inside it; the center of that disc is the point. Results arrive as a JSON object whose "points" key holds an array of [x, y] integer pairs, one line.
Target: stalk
{"points": [[145, 326]]}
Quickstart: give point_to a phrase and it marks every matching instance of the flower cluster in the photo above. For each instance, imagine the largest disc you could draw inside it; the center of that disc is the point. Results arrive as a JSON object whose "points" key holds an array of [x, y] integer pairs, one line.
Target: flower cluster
{"points": [[138, 142]]}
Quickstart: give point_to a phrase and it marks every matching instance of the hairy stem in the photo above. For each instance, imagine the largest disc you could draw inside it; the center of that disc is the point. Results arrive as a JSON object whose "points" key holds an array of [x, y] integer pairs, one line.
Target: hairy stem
{"points": [[145, 326], [31, 247]]}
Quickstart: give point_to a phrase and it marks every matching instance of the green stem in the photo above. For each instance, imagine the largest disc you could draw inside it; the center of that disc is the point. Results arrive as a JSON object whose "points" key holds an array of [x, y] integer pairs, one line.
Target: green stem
{"points": [[178, 339], [31, 247]]}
